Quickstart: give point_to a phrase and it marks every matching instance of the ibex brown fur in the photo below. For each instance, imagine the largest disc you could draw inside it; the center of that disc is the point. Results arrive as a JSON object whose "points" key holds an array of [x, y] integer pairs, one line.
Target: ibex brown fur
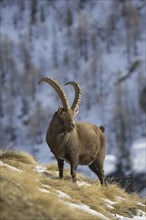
{"points": [[75, 142]]}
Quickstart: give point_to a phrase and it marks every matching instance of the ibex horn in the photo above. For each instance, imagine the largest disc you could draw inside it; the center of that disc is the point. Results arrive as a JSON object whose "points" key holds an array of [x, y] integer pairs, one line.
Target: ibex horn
{"points": [[59, 89], [78, 96]]}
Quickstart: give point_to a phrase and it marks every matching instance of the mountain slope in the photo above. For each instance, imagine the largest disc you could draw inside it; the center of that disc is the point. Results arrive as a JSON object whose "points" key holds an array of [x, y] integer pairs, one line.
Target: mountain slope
{"points": [[33, 191]]}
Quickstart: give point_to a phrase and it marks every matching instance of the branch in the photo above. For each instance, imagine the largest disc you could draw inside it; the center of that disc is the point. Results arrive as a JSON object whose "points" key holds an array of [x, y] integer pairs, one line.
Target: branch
{"points": [[131, 70]]}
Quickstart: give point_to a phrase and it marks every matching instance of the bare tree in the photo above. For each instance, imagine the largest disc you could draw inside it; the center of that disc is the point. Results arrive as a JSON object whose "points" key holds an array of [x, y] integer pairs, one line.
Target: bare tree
{"points": [[122, 123], [33, 11], [132, 25], [82, 34], [55, 48]]}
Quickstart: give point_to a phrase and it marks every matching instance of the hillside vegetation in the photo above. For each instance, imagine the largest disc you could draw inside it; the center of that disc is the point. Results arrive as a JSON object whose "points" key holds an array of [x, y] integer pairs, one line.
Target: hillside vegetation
{"points": [[30, 190]]}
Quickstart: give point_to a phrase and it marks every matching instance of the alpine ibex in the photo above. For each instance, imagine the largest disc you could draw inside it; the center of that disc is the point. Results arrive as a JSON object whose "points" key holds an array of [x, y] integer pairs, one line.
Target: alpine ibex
{"points": [[78, 143]]}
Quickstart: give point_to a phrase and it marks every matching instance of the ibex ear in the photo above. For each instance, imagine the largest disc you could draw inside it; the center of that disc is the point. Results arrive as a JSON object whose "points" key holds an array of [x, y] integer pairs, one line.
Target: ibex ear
{"points": [[75, 113], [102, 128], [59, 107], [60, 110]]}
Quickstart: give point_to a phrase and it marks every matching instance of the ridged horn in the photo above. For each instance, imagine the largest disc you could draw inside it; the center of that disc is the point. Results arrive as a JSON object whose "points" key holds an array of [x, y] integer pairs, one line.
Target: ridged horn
{"points": [[78, 96], [59, 89]]}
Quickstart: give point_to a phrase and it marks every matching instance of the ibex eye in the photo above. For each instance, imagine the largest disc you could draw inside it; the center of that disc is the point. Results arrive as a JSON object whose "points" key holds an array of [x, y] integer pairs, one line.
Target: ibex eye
{"points": [[72, 125]]}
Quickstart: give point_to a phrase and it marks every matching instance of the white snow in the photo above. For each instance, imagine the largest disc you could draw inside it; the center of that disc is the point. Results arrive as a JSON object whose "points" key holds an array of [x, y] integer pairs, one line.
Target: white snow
{"points": [[140, 203], [39, 169], [58, 193], [109, 206], [142, 193], [53, 173], [141, 217], [119, 198], [87, 209], [62, 194], [44, 190], [110, 164], [10, 167], [109, 201], [82, 183], [138, 156], [47, 186]]}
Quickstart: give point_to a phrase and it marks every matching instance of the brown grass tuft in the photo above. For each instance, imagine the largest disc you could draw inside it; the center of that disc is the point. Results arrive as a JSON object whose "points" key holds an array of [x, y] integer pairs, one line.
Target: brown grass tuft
{"points": [[22, 157]]}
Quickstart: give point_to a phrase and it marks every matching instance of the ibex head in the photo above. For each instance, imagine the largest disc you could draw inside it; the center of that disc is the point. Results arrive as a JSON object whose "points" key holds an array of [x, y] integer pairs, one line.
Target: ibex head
{"points": [[66, 114]]}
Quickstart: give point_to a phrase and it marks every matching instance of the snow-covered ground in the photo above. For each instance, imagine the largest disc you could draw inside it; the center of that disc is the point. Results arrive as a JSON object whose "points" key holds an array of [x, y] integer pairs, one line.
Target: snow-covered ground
{"points": [[138, 156]]}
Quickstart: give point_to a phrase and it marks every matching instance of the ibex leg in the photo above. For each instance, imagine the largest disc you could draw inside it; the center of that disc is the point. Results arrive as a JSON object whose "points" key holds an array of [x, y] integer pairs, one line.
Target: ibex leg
{"points": [[98, 170], [60, 167], [73, 171]]}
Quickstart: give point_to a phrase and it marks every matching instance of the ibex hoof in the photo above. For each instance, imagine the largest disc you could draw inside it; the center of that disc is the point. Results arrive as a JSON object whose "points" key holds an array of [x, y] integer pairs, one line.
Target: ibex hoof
{"points": [[60, 178], [74, 180]]}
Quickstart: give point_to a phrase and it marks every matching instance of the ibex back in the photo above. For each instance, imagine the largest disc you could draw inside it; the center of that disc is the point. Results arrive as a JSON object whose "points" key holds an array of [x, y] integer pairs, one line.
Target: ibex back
{"points": [[78, 143]]}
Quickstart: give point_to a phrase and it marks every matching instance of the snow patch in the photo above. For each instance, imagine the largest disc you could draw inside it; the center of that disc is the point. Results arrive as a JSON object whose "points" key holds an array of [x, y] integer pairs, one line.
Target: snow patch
{"points": [[110, 164], [44, 185], [138, 156], [54, 173], [43, 190], [140, 203], [39, 169], [87, 209], [141, 217], [119, 198], [108, 201], [109, 206], [82, 183], [142, 193], [62, 194], [10, 167]]}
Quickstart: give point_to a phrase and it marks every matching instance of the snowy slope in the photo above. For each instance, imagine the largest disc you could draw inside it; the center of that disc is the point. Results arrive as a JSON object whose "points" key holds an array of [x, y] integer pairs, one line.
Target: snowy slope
{"points": [[138, 155]]}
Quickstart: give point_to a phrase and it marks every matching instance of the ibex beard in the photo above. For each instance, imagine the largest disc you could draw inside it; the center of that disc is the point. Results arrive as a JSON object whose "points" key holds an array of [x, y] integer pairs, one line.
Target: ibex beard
{"points": [[78, 143]]}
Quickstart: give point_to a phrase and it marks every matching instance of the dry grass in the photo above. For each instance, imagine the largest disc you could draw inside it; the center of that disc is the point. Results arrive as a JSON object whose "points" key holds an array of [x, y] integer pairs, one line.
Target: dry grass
{"points": [[22, 157], [26, 202], [21, 198]]}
